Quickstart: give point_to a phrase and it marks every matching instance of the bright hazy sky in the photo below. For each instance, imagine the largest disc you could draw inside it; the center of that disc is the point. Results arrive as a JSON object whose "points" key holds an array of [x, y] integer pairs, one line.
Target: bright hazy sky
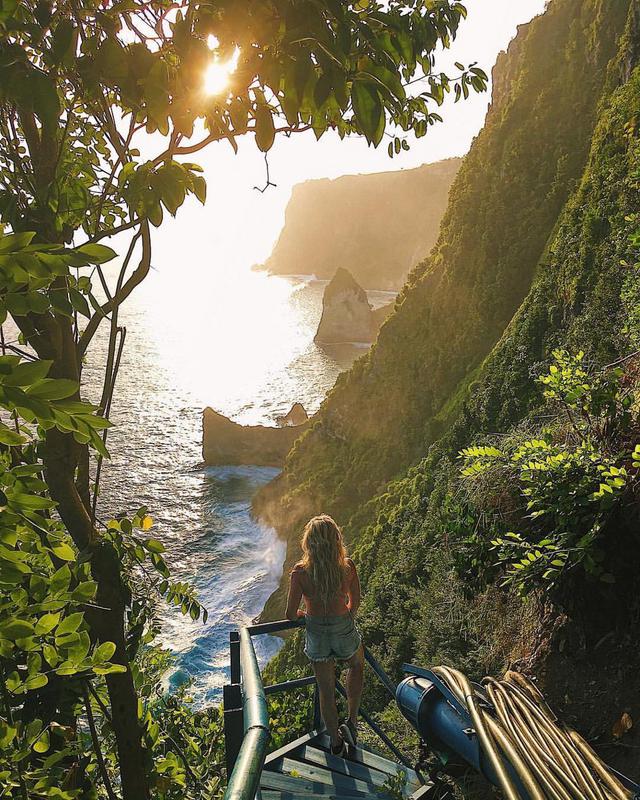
{"points": [[238, 226]]}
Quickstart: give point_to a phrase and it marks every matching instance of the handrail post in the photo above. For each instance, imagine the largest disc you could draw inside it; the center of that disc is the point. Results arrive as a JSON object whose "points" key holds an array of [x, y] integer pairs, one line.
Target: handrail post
{"points": [[232, 706], [244, 780], [317, 716], [234, 653]]}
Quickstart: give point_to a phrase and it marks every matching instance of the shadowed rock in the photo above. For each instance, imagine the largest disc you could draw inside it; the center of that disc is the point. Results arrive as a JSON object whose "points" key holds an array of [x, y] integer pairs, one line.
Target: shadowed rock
{"points": [[225, 442], [347, 315], [297, 415]]}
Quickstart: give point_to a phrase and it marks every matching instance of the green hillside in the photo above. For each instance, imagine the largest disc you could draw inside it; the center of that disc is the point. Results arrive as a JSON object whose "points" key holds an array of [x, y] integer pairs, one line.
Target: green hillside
{"points": [[534, 254], [383, 415]]}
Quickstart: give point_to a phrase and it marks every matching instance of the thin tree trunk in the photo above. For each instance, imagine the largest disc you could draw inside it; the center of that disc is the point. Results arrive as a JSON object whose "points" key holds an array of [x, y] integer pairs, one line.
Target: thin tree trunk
{"points": [[66, 475]]}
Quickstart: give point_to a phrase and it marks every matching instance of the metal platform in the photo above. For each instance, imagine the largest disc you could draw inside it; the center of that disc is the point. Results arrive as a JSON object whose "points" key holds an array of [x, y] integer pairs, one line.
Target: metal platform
{"points": [[305, 767]]}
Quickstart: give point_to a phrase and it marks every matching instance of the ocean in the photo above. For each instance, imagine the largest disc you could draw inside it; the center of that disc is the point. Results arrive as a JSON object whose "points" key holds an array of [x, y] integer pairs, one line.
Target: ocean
{"points": [[243, 345]]}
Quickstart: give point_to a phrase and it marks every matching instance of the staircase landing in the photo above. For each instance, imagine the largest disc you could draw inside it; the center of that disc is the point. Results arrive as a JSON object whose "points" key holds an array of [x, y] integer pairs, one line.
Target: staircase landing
{"points": [[306, 768]]}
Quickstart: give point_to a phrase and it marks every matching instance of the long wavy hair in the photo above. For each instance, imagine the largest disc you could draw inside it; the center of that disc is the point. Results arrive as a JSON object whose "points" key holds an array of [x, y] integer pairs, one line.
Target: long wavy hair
{"points": [[324, 557]]}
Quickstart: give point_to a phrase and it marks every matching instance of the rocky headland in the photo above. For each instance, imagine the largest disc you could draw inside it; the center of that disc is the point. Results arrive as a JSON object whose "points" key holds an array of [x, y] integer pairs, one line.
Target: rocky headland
{"points": [[297, 415], [225, 442], [381, 225]]}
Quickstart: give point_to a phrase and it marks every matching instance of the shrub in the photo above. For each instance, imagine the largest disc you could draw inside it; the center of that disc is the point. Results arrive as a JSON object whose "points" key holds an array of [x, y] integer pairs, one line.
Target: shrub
{"points": [[563, 485]]}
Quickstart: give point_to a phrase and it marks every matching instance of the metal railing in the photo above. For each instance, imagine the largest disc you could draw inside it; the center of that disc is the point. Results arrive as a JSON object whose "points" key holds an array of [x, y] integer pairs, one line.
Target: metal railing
{"points": [[246, 718]]}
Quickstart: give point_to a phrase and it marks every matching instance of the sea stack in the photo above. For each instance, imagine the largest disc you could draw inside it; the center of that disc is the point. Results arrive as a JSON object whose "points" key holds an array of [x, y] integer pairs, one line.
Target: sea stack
{"points": [[297, 415], [347, 315]]}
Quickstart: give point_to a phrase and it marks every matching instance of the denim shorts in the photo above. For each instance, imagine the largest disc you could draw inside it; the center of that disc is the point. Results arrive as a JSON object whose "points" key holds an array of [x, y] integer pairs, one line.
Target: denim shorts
{"points": [[334, 636]]}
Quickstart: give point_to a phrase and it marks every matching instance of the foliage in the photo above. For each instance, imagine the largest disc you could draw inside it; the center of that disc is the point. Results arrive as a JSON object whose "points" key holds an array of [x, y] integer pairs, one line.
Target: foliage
{"points": [[290, 713], [422, 540], [382, 416], [570, 480], [85, 90]]}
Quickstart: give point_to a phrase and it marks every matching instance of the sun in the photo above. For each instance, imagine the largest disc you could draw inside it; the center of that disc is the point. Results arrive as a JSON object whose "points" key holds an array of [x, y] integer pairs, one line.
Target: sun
{"points": [[218, 73]]}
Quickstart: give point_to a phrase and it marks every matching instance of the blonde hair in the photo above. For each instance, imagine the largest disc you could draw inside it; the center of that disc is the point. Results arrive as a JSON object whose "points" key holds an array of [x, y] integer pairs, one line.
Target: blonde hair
{"points": [[324, 556]]}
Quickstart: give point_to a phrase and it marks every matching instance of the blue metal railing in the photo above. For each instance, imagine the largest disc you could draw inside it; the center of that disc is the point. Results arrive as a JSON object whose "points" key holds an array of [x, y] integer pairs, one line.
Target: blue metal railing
{"points": [[246, 718], [247, 701]]}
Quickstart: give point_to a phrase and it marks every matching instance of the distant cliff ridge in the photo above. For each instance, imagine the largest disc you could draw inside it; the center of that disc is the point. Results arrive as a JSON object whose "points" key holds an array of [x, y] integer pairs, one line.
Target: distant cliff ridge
{"points": [[381, 225]]}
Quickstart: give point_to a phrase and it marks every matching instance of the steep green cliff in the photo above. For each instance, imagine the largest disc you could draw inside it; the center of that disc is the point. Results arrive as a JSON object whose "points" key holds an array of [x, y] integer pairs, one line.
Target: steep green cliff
{"points": [[384, 414], [536, 252]]}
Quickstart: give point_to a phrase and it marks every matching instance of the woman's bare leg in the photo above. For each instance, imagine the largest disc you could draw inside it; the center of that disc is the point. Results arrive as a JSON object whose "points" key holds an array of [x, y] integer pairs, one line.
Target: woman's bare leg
{"points": [[326, 677], [354, 682]]}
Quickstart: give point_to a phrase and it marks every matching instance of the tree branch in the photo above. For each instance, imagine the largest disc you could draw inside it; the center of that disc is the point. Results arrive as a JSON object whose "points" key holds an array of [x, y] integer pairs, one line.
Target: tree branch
{"points": [[139, 274], [96, 747]]}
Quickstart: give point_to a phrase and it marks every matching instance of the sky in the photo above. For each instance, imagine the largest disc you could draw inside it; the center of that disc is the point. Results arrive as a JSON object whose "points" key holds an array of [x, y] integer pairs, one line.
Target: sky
{"points": [[239, 225]]}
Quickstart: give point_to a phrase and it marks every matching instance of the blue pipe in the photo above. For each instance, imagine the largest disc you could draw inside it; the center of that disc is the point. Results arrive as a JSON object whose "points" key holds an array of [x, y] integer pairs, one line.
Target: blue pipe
{"points": [[445, 725]]}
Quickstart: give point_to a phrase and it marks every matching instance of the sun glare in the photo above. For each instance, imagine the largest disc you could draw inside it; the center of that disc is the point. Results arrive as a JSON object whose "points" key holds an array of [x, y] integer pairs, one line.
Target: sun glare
{"points": [[216, 77]]}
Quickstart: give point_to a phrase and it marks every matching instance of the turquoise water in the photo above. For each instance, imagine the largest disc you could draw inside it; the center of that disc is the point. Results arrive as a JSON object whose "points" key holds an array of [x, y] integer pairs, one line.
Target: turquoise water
{"points": [[246, 348], [242, 343]]}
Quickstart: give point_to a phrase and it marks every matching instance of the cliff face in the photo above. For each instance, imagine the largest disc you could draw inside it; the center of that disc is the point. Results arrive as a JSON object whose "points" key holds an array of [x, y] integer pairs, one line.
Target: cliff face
{"points": [[347, 315], [461, 348], [380, 225], [384, 414]]}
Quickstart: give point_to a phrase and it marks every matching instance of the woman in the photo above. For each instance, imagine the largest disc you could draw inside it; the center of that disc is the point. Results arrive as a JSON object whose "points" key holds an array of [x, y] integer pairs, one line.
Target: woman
{"points": [[326, 579]]}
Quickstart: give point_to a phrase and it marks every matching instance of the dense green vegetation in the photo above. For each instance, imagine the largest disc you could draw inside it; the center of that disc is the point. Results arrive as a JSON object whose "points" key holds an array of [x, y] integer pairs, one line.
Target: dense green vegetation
{"points": [[384, 414], [509, 526], [82, 85]]}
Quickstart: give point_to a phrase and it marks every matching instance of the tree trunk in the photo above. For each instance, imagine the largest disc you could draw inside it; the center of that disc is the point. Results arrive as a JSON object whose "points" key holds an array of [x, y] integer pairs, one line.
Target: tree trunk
{"points": [[67, 477]]}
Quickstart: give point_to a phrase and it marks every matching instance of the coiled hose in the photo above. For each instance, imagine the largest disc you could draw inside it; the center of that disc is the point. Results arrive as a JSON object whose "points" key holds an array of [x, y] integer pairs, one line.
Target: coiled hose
{"points": [[551, 761]]}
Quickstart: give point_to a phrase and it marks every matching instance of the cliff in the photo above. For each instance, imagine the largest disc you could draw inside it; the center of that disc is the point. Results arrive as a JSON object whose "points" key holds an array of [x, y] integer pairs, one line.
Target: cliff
{"points": [[533, 254], [504, 205], [225, 442], [347, 315], [379, 224]]}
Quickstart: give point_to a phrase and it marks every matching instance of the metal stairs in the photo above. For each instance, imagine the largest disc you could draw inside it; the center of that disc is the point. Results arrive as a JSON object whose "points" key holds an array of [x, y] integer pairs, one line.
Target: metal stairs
{"points": [[306, 768]]}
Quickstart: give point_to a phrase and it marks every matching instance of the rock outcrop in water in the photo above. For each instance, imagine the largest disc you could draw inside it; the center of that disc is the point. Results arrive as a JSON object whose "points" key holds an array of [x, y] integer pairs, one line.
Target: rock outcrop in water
{"points": [[225, 442], [297, 415], [380, 224], [347, 315]]}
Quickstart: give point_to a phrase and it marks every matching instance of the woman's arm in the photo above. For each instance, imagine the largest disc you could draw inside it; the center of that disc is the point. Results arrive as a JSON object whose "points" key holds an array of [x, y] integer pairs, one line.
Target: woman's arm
{"points": [[295, 596], [354, 590]]}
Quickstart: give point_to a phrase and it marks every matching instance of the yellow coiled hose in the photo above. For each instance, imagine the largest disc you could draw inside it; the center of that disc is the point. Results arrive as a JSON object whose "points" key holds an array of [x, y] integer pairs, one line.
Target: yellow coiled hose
{"points": [[551, 761]]}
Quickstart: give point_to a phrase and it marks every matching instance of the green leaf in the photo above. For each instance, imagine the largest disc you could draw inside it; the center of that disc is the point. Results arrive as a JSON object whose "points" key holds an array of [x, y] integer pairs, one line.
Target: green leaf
{"points": [[79, 302], [10, 437], [104, 652], [35, 682], [42, 743], [62, 40], [265, 129], [84, 591], [27, 373], [53, 389], [70, 624], [16, 629], [154, 546], [60, 580], [44, 97], [15, 241], [200, 188], [64, 552], [96, 253], [47, 623], [368, 110]]}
